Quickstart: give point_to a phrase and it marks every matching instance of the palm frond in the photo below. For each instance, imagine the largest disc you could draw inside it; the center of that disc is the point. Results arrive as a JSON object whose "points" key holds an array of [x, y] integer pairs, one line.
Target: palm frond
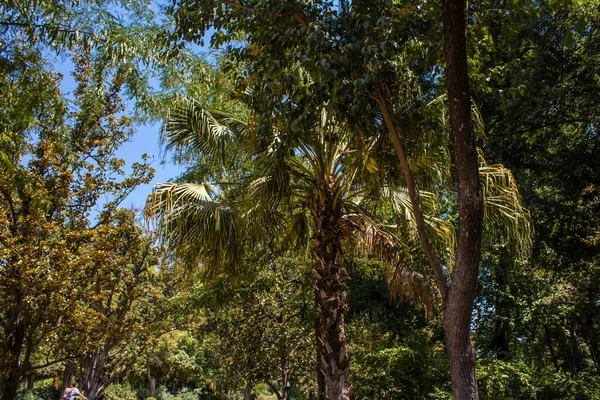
{"points": [[406, 282], [199, 229], [375, 242], [191, 128], [440, 231], [505, 217]]}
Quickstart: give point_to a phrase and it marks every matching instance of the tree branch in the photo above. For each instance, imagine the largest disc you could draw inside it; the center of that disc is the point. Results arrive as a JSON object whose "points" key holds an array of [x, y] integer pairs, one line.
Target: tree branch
{"points": [[413, 191]]}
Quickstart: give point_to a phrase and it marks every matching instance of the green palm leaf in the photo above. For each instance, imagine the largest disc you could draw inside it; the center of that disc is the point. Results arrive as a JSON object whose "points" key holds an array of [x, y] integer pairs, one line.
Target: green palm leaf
{"points": [[197, 227], [192, 130]]}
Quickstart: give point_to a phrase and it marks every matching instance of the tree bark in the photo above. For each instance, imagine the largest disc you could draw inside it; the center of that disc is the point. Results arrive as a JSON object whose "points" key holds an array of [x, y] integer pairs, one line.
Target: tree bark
{"points": [[413, 192], [31, 380], [501, 338], [330, 298], [151, 379], [67, 377], [320, 376], [574, 349], [248, 391], [551, 347], [15, 337], [461, 294]]}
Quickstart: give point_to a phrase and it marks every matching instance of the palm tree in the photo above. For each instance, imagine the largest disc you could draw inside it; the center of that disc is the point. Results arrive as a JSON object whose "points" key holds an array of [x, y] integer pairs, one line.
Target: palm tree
{"points": [[319, 177], [331, 183]]}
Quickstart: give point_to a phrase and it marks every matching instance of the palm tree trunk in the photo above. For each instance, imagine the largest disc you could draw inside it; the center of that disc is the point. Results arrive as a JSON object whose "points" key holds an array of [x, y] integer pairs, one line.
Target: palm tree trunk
{"points": [[320, 376], [331, 300]]}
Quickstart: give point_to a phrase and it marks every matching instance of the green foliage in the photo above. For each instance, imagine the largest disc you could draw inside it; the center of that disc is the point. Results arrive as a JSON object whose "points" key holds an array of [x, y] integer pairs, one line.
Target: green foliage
{"points": [[120, 391], [44, 383], [296, 394], [261, 389], [506, 380], [517, 380], [47, 393]]}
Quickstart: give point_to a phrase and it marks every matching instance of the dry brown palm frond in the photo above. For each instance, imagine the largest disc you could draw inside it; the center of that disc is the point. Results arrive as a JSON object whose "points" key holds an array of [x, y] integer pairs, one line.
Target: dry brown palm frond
{"points": [[373, 241], [406, 283], [505, 218]]}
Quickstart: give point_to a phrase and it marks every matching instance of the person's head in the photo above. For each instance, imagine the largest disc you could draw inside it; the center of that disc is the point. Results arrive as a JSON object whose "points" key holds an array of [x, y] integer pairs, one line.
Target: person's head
{"points": [[74, 384]]}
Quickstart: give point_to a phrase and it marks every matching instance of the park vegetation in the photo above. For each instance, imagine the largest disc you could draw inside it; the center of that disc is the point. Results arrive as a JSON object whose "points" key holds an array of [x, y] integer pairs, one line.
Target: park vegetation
{"points": [[381, 199]]}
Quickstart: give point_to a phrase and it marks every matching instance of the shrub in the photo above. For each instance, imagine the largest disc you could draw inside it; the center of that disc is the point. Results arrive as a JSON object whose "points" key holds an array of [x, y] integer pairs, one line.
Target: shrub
{"points": [[143, 393], [187, 394], [162, 393], [120, 391], [261, 389], [296, 394], [37, 394], [44, 383]]}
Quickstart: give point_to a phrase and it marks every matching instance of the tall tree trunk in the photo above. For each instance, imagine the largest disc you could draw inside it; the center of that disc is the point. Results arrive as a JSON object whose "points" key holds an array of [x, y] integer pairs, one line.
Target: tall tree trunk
{"points": [[551, 347], [591, 339], [15, 337], [331, 299], [461, 293]]}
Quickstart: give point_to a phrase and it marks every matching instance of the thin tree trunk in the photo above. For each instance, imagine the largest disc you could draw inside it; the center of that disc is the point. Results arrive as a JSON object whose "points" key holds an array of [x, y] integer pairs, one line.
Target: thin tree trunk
{"points": [[331, 299], [31, 380], [462, 291], [15, 337], [248, 390], [501, 338], [591, 339], [67, 377], [151, 379], [413, 192], [551, 347], [574, 348]]}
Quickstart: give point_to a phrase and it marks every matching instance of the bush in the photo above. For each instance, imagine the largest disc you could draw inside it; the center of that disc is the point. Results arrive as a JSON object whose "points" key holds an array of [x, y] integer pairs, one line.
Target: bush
{"points": [[143, 393], [120, 391], [187, 394], [37, 394], [296, 394], [162, 393], [44, 383], [508, 380], [261, 389], [504, 380]]}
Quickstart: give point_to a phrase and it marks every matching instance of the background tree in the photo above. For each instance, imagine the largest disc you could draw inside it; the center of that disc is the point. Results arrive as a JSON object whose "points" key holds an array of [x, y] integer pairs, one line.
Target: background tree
{"points": [[59, 164], [118, 311]]}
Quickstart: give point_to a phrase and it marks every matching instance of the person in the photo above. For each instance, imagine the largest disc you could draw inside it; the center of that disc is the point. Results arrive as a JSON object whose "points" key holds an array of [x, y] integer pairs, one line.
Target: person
{"points": [[73, 393]]}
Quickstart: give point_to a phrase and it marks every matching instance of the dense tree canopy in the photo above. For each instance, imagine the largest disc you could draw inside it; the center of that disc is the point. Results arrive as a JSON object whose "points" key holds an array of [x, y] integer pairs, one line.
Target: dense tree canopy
{"points": [[383, 199]]}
